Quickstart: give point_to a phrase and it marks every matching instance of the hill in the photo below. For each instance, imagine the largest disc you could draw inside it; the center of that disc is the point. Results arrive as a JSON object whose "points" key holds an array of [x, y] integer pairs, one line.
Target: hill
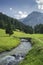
{"points": [[33, 19], [15, 24]]}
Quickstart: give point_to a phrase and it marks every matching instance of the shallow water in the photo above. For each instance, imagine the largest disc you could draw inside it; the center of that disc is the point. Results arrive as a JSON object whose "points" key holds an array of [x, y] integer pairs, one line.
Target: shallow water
{"points": [[16, 55]]}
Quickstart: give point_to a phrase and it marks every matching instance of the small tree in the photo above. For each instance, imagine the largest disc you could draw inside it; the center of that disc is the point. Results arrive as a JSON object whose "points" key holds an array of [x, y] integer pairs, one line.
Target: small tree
{"points": [[9, 29]]}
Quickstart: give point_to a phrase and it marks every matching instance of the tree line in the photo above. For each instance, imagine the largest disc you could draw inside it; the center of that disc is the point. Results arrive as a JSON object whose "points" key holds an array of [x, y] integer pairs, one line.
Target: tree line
{"points": [[38, 28], [10, 24]]}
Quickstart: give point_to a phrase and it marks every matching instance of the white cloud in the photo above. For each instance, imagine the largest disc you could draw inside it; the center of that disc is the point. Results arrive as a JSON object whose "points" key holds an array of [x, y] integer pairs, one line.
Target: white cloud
{"points": [[42, 7], [21, 14], [40, 4], [11, 9], [39, 1], [18, 14]]}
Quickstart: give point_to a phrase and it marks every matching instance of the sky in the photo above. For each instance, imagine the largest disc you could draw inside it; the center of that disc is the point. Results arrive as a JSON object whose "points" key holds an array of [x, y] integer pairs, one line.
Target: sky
{"points": [[20, 8]]}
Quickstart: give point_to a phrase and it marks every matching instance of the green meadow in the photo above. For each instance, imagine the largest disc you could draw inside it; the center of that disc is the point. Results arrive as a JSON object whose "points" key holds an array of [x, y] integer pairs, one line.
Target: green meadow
{"points": [[7, 42], [34, 56]]}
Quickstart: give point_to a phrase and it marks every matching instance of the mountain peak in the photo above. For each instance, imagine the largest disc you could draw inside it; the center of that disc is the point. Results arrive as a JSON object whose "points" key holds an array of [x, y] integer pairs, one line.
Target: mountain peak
{"points": [[34, 18]]}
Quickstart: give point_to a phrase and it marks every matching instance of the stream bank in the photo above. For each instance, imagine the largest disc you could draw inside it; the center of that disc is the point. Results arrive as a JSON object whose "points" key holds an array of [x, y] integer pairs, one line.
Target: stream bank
{"points": [[16, 55]]}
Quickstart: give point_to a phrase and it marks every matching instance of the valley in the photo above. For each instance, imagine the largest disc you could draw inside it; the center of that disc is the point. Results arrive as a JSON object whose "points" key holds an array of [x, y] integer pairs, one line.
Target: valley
{"points": [[35, 54], [16, 51], [21, 32]]}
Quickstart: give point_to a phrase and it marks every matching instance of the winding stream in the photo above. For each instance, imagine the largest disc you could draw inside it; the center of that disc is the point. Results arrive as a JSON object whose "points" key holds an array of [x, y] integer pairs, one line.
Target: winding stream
{"points": [[16, 55]]}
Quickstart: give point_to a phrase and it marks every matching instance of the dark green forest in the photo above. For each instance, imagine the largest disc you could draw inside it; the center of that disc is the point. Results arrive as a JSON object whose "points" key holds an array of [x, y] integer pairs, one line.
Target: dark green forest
{"points": [[38, 28], [8, 23]]}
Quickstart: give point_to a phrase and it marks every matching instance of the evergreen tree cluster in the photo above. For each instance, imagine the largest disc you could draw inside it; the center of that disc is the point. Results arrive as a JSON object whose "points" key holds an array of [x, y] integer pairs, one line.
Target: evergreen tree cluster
{"points": [[11, 24], [38, 28]]}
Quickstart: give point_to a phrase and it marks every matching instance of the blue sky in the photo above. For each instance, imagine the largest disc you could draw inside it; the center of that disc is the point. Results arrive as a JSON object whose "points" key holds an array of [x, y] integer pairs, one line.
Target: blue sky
{"points": [[20, 8]]}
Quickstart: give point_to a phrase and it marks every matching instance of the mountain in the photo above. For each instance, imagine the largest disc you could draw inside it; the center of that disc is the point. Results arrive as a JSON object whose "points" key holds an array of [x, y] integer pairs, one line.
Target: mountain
{"points": [[33, 19], [15, 24], [21, 19], [4, 20]]}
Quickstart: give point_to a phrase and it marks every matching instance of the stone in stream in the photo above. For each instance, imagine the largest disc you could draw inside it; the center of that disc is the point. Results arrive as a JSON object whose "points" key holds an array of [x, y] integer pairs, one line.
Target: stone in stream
{"points": [[19, 56]]}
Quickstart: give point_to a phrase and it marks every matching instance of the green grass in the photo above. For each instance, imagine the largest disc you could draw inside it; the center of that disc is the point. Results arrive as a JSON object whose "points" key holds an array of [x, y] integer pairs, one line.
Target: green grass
{"points": [[34, 56], [21, 34], [6, 42], [2, 33]]}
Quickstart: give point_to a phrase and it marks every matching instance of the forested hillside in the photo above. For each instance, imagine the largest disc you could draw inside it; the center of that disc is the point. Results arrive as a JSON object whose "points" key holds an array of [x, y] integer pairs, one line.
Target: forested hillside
{"points": [[15, 24]]}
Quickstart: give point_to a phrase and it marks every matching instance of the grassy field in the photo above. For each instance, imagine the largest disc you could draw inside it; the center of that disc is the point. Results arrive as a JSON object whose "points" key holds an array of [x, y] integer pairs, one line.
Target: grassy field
{"points": [[34, 56], [6, 42]]}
